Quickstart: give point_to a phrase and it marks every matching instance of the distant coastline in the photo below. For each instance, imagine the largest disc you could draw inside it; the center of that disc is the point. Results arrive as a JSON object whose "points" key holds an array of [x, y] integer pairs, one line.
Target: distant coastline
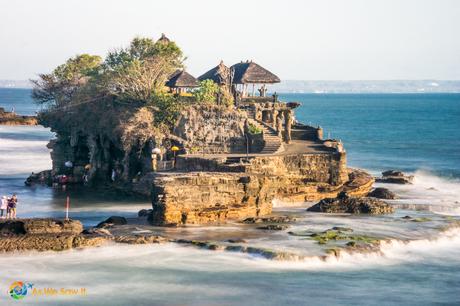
{"points": [[320, 87]]}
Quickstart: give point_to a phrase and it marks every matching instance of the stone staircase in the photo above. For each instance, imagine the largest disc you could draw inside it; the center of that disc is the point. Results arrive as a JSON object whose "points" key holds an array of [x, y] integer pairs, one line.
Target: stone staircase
{"points": [[273, 143]]}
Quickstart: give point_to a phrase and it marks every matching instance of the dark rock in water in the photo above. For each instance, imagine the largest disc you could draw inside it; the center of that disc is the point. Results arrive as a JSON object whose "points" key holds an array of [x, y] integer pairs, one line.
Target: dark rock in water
{"points": [[383, 193], [273, 227], [273, 219], [395, 177], [140, 239], [144, 212], [97, 231], [42, 178], [352, 205], [342, 229], [406, 217], [392, 173], [238, 240], [114, 220]]}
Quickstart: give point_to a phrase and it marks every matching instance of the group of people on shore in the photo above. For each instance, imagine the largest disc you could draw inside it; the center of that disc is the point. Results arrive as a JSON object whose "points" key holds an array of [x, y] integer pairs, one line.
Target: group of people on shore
{"points": [[8, 207]]}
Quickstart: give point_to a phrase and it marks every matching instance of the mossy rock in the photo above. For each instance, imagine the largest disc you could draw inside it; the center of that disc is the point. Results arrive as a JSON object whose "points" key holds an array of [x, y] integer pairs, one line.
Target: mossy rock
{"points": [[422, 219]]}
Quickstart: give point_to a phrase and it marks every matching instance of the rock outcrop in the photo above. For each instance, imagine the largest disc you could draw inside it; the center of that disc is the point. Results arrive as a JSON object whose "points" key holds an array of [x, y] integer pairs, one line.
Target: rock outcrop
{"points": [[383, 193], [352, 205], [42, 178], [395, 177], [44, 235], [210, 197], [10, 118]]}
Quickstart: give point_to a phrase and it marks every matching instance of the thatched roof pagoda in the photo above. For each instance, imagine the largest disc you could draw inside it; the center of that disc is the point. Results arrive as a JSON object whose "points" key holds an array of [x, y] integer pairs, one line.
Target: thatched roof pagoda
{"points": [[219, 74], [252, 73], [182, 79]]}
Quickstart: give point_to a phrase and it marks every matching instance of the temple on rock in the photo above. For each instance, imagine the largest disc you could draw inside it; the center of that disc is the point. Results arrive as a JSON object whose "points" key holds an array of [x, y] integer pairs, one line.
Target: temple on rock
{"points": [[228, 152]]}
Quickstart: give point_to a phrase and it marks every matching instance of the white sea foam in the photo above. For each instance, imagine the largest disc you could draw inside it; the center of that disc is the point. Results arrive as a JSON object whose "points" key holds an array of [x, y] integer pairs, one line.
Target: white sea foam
{"points": [[23, 156], [428, 191]]}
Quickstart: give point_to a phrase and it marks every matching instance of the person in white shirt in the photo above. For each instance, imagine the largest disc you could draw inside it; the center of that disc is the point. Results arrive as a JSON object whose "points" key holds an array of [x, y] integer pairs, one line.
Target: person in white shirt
{"points": [[3, 207]]}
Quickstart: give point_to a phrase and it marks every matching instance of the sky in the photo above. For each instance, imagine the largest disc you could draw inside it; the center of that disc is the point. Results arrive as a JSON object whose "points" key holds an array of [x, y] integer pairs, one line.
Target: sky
{"points": [[296, 39]]}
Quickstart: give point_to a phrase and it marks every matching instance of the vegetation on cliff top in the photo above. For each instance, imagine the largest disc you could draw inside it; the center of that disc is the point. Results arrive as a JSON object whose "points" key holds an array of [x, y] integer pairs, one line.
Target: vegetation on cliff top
{"points": [[122, 96]]}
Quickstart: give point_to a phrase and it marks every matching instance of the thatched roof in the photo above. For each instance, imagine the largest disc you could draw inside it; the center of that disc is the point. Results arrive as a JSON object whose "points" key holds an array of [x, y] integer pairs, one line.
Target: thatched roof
{"points": [[219, 74], [181, 78], [250, 72]]}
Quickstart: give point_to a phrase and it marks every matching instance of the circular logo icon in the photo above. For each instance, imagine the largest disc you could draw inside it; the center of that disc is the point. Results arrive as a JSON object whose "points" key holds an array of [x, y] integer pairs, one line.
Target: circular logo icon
{"points": [[18, 290]]}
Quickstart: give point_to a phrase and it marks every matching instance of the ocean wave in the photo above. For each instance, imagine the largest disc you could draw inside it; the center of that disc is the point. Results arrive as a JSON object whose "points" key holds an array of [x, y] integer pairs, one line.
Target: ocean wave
{"points": [[23, 156], [442, 248], [428, 192]]}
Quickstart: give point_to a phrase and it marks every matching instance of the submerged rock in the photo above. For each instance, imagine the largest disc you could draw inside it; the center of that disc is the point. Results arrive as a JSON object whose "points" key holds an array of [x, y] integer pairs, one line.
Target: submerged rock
{"points": [[395, 177], [237, 240], [345, 204], [113, 220], [273, 227], [272, 219], [144, 212], [383, 193]]}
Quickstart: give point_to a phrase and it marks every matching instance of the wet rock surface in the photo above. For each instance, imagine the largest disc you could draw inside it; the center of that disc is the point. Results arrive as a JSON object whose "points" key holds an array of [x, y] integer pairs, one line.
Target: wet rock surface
{"points": [[113, 220], [352, 205], [270, 219], [383, 193], [395, 177], [42, 178], [274, 227]]}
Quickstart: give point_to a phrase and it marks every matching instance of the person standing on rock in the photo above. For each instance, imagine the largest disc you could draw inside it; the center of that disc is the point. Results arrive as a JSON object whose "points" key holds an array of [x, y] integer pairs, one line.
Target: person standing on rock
{"points": [[12, 203], [4, 207]]}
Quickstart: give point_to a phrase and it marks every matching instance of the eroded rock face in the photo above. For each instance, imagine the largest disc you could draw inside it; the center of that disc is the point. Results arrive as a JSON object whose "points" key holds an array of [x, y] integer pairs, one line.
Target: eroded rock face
{"points": [[345, 204], [211, 129], [383, 193], [210, 197], [203, 197], [395, 177]]}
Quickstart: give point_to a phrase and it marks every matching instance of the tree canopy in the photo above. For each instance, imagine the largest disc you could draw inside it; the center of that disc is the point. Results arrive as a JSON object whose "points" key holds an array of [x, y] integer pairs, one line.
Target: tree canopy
{"points": [[134, 75]]}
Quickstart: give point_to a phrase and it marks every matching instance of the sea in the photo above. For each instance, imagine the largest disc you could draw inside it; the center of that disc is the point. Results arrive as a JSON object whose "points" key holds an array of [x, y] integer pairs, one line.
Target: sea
{"points": [[415, 133]]}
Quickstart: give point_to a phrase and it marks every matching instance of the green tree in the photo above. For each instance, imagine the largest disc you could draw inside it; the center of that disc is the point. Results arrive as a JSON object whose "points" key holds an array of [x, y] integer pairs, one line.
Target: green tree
{"points": [[59, 87], [207, 92]]}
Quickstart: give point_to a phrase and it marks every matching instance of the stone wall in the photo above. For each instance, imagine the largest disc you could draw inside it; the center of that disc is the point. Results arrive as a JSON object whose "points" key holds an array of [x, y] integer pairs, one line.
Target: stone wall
{"points": [[202, 197], [212, 129], [322, 167], [316, 167]]}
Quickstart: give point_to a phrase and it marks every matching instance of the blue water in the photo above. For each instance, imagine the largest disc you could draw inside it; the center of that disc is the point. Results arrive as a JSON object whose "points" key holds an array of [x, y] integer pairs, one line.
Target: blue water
{"points": [[20, 99], [409, 132], [384, 131]]}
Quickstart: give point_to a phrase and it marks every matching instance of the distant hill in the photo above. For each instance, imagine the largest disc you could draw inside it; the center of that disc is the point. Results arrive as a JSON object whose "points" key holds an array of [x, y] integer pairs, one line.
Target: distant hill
{"points": [[388, 86], [15, 84], [296, 86]]}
